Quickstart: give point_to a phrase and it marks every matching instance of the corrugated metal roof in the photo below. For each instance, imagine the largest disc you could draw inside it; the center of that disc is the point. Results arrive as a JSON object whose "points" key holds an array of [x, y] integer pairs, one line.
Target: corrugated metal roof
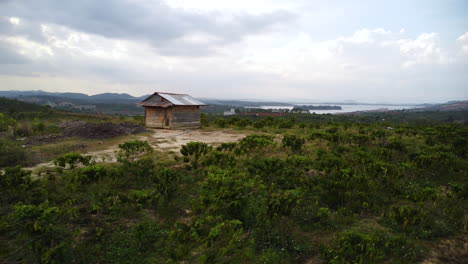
{"points": [[175, 99], [180, 99]]}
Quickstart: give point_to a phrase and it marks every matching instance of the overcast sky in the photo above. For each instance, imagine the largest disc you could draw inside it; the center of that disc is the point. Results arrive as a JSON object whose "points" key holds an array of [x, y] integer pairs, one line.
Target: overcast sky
{"points": [[363, 50]]}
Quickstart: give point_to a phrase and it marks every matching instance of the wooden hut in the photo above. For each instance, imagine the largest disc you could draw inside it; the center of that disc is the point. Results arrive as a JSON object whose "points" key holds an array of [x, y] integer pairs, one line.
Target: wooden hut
{"points": [[169, 110]]}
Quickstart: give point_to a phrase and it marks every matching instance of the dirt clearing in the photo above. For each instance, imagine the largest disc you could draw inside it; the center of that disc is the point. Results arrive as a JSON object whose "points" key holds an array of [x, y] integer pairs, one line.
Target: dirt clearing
{"points": [[166, 141], [172, 140], [87, 131]]}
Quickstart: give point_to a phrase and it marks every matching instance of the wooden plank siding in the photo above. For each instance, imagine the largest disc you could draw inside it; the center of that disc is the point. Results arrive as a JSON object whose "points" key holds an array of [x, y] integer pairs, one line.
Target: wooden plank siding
{"points": [[173, 117], [154, 117], [185, 116]]}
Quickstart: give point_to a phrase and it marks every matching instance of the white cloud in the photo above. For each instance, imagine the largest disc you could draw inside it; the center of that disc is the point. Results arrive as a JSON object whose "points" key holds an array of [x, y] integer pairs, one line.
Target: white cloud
{"points": [[365, 50], [14, 20], [27, 48], [217, 49], [424, 49], [463, 41]]}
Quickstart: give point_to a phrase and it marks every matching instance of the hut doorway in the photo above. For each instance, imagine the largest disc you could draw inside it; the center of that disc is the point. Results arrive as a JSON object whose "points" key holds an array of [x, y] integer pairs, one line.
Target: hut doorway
{"points": [[167, 118]]}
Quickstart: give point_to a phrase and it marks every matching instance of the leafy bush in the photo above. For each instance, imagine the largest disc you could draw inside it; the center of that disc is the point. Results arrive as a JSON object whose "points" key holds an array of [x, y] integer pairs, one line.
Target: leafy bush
{"points": [[286, 124], [458, 190], [142, 168], [419, 222], [220, 159], [91, 174], [11, 153], [145, 197], [224, 192], [220, 122], [242, 123], [227, 146], [6, 123], [133, 150], [406, 217], [253, 142], [292, 247], [370, 247], [193, 151], [134, 245], [38, 126], [71, 160], [47, 239], [166, 182], [15, 178], [281, 203], [204, 121], [294, 142], [222, 240], [259, 124], [310, 216]]}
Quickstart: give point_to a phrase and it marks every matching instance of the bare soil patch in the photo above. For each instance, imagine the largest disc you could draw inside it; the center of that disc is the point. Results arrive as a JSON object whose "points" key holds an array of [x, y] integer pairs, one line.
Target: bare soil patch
{"points": [[99, 130], [454, 251], [160, 140], [87, 131], [173, 140]]}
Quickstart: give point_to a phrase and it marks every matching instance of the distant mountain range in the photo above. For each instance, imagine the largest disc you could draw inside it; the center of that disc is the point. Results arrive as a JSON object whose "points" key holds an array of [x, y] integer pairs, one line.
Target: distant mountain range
{"points": [[122, 103], [116, 98], [98, 98]]}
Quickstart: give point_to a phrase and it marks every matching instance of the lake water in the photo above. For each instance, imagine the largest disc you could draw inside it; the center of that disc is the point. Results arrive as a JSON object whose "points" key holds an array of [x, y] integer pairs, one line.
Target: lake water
{"points": [[346, 108]]}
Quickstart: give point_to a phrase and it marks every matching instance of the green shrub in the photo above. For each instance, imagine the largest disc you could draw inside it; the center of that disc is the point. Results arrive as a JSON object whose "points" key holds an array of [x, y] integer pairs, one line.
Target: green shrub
{"points": [[204, 121], [253, 142], [422, 223], [134, 245], [6, 123], [259, 124], [143, 167], [458, 190], [224, 192], [293, 248], [294, 142], [220, 159], [145, 197], [133, 150], [406, 217], [38, 126], [370, 247], [193, 151], [71, 160], [310, 216], [166, 182], [41, 227], [11, 154], [222, 240], [227, 146], [15, 178], [286, 125], [242, 123], [91, 174], [281, 203], [220, 122]]}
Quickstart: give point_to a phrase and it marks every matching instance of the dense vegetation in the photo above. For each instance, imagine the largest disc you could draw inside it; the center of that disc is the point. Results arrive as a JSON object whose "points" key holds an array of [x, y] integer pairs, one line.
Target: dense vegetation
{"points": [[21, 120], [13, 106], [316, 189]]}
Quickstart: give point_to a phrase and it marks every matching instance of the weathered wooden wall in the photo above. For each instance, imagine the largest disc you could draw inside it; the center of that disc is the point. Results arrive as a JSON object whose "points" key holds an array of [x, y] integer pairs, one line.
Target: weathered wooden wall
{"points": [[155, 117], [177, 117], [185, 116]]}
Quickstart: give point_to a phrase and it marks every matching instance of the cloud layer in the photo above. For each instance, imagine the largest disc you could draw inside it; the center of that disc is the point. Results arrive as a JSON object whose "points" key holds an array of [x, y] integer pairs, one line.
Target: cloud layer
{"points": [[140, 46]]}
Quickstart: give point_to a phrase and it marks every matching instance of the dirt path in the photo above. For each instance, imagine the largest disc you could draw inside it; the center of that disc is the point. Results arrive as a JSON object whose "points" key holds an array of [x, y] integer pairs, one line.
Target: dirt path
{"points": [[172, 140], [164, 140]]}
